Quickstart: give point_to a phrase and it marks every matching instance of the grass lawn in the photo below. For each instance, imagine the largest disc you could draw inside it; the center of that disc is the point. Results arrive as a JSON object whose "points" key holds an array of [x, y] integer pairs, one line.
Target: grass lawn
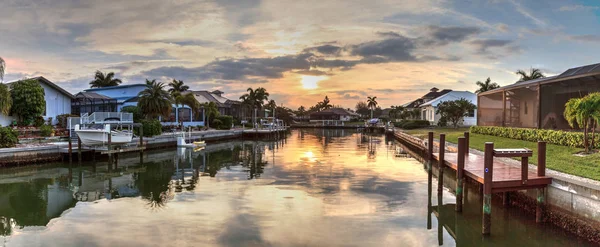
{"points": [[559, 158]]}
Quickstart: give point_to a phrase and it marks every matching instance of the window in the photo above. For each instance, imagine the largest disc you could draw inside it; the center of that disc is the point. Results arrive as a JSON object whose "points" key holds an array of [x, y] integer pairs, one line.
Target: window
{"points": [[471, 113]]}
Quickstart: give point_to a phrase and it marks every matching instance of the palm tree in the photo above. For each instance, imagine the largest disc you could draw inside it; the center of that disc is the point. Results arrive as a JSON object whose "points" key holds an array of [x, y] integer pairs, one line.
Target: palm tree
{"points": [[256, 98], [177, 86], [325, 103], [372, 103], [584, 113], [533, 74], [102, 80], [5, 100], [211, 110], [179, 98], [486, 86], [2, 69], [155, 101], [301, 111]]}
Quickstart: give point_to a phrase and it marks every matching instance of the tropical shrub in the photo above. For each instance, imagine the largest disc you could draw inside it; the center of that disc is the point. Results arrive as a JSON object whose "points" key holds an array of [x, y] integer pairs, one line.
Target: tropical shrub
{"points": [[137, 114], [151, 128], [46, 130], [62, 119], [412, 124], [557, 137], [454, 111], [28, 100], [225, 122], [8, 137], [38, 121]]}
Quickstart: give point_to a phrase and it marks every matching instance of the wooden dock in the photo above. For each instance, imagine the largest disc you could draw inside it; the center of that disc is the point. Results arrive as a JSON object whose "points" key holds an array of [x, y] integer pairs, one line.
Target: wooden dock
{"points": [[494, 176]]}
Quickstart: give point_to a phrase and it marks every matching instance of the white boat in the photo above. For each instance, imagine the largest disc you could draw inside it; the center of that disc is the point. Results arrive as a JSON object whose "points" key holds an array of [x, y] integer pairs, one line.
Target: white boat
{"points": [[97, 137]]}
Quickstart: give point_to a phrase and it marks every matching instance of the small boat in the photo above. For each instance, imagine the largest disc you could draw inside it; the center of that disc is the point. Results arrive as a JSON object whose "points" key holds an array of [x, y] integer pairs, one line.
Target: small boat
{"points": [[200, 144], [99, 136]]}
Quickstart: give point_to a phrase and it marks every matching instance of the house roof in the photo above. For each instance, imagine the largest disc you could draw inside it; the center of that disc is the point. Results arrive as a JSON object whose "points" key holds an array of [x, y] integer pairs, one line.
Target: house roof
{"points": [[435, 94], [49, 83], [335, 111], [591, 71], [91, 95], [432, 94], [454, 95], [207, 97]]}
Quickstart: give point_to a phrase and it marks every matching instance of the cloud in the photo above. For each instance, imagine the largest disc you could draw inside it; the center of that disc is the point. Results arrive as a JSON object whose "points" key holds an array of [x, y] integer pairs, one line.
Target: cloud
{"points": [[394, 49], [325, 49], [586, 38], [389, 34], [484, 44], [578, 7], [527, 14], [502, 27], [444, 35]]}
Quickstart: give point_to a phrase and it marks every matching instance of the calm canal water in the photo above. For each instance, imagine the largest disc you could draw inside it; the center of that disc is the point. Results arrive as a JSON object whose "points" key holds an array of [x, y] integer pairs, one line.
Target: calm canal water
{"points": [[315, 188]]}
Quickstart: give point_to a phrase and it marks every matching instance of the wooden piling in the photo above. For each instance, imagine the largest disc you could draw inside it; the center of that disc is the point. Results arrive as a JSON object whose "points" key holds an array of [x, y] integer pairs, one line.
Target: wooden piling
{"points": [[79, 151], [506, 199], [487, 188], [441, 163], [541, 192], [467, 136], [70, 150], [110, 156], [460, 170], [524, 169], [429, 177]]}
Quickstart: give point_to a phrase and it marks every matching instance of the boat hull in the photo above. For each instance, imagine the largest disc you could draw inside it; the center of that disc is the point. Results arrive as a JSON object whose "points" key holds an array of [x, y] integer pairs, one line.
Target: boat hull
{"points": [[100, 137]]}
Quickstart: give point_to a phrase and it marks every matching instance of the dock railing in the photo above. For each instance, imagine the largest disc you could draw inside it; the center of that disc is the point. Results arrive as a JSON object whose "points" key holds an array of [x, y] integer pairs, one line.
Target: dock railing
{"points": [[107, 117]]}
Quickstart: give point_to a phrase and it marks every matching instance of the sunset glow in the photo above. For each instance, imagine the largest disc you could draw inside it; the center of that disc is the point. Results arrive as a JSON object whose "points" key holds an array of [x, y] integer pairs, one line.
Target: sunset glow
{"points": [[311, 82]]}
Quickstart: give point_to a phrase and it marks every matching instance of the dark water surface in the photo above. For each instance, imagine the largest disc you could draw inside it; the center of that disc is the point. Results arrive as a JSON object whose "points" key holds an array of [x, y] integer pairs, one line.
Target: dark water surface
{"points": [[315, 188]]}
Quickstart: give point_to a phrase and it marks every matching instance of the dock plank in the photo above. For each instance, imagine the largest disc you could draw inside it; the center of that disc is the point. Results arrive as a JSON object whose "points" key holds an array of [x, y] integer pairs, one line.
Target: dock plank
{"points": [[505, 175]]}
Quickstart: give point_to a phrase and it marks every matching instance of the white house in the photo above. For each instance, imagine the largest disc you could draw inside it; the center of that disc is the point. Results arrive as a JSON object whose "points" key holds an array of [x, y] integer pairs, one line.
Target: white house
{"points": [[58, 102], [428, 108]]}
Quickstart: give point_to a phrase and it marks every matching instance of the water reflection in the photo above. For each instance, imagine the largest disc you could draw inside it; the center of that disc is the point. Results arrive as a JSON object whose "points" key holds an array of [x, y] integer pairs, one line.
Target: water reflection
{"points": [[316, 188]]}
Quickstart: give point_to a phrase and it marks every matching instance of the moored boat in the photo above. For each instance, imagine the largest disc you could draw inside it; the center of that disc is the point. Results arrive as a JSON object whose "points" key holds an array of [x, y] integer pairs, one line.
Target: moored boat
{"points": [[99, 136]]}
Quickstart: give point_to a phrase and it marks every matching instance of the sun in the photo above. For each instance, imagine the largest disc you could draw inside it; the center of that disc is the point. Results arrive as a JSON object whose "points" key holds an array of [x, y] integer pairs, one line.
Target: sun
{"points": [[311, 81]]}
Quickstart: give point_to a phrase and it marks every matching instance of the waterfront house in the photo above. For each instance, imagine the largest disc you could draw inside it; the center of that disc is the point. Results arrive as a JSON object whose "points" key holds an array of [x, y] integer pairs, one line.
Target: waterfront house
{"points": [[127, 95], [428, 109], [58, 101], [432, 94], [226, 106], [537, 103], [333, 116]]}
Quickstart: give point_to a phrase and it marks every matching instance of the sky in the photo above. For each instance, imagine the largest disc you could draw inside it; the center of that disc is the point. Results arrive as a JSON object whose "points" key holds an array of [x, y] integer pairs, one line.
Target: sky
{"points": [[300, 51]]}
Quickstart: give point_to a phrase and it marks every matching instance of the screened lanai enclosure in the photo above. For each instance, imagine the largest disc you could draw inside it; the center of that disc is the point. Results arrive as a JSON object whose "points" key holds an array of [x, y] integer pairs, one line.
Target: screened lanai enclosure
{"points": [[89, 102], [537, 103]]}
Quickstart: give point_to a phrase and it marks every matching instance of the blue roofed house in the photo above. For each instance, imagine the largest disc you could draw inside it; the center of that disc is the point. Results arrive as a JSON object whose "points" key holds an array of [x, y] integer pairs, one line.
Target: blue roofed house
{"points": [[428, 109], [127, 95], [58, 101]]}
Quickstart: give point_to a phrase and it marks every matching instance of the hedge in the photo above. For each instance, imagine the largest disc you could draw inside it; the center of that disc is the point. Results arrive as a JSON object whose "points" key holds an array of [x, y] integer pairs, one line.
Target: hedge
{"points": [[151, 128], [411, 124], [223, 122], [557, 137], [8, 137]]}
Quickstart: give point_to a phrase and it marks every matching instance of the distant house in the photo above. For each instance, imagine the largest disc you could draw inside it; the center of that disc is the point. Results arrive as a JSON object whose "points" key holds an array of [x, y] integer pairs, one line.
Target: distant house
{"points": [[226, 106], [58, 101], [429, 108], [432, 94], [333, 115], [538, 103], [127, 95]]}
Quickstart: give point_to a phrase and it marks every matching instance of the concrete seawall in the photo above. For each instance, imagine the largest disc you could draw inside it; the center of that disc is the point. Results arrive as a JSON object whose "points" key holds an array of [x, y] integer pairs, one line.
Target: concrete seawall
{"points": [[573, 202], [55, 151]]}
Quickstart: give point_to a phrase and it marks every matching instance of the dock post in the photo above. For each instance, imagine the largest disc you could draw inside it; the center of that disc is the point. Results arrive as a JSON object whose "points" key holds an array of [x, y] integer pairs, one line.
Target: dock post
{"points": [[460, 169], [487, 187], [141, 128], [110, 156], [467, 143], [506, 199], [79, 151], [429, 177], [70, 150], [541, 192], [441, 163]]}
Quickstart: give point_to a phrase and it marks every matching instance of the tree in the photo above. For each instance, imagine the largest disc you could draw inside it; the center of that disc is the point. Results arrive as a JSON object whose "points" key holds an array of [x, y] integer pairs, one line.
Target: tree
{"points": [[584, 113], [28, 100], [211, 111], [486, 86], [301, 111], [155, 101], [2, 69], [102, 80], [454, 111], [137, 114], [533, 74], [325, 104], [180, 98], [362, 108], [177, 87], [5, 100], [256, 98], [372, 103]]}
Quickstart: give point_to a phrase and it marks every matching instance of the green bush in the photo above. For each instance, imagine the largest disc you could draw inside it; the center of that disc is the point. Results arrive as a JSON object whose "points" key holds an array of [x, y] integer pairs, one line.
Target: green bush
{"points": [[412, 124], [46, 130], [151, 128], [8, 137], [62, 119], [137, 114], [223, 122], [557, 137], [38, 121]]}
